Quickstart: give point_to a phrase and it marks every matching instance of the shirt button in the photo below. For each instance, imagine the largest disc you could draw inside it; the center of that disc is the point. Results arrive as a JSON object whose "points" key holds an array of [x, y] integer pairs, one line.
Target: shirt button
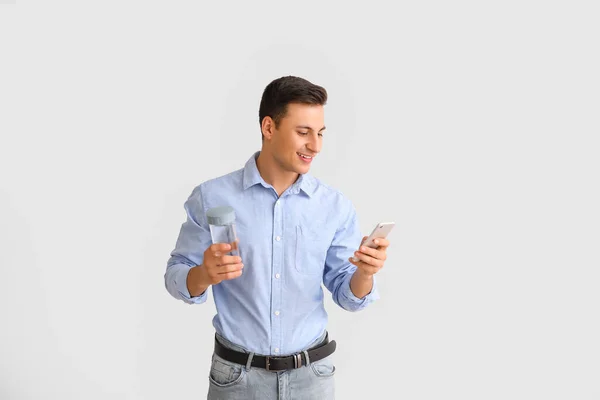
{"points": [[278, 238], [276, 312], [277, 276]]}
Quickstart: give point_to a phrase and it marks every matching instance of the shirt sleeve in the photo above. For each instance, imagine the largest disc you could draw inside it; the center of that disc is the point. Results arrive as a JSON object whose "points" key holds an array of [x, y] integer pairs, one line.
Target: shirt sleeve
{"points": [[194, 238], [338, 270]]}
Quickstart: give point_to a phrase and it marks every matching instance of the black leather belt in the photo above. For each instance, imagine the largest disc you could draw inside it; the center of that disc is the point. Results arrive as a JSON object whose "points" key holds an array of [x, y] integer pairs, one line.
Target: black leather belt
{"points": [[280, 363]]}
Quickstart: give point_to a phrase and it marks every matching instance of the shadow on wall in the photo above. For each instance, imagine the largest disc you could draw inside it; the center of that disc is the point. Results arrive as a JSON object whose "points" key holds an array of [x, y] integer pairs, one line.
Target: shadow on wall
{"points": [[26, 330]]}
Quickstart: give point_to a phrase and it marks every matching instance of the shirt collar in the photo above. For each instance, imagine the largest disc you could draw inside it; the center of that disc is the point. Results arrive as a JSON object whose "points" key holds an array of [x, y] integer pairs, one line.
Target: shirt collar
{"points": [[251, 177]]}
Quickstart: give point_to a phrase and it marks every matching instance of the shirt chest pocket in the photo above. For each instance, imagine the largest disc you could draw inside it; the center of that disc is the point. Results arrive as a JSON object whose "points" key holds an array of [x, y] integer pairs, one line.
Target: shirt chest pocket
{"points": [[311, 245]]}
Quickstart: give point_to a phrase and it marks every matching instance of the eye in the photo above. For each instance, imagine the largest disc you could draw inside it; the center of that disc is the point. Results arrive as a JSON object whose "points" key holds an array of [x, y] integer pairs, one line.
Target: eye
{"points": [[303, 133]]}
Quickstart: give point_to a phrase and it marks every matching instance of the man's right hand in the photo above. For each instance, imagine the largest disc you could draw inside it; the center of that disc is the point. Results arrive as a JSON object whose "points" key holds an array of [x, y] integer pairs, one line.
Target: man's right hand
{"points": [[216, 267]]}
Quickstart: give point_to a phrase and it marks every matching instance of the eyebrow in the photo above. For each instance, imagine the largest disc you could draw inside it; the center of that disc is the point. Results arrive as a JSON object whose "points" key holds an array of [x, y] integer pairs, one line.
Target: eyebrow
{"points": [[308, 127]]}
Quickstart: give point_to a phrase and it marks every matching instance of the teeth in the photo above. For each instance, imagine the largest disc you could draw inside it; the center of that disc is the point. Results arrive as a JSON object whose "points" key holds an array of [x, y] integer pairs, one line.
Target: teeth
{"points": [[303, 156]]}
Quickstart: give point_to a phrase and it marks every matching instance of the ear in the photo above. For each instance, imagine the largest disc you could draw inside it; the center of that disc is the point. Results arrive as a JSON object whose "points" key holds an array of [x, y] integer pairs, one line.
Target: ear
{"points": [[267, 127]]}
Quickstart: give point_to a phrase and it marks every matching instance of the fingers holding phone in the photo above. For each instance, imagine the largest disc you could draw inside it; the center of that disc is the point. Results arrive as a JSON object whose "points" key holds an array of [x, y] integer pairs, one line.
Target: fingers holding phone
{"points": [[371, 255]]}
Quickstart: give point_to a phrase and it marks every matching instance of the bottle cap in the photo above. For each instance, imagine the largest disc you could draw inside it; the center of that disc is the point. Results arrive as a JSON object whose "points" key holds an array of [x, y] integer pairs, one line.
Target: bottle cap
{"points": [[223, 215]]}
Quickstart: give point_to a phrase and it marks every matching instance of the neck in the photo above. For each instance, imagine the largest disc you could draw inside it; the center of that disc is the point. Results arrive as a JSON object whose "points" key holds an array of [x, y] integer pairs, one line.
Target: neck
{"points": [[272, 173]]}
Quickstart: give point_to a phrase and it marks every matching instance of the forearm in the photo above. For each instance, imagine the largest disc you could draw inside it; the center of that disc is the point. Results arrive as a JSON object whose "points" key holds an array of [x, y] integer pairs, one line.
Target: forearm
{"points": [[197, 281], [361, 284]]}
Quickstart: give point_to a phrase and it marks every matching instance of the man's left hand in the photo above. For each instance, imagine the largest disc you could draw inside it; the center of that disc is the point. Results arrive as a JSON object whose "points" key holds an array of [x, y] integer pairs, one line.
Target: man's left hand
{"points": [[371, 260]]}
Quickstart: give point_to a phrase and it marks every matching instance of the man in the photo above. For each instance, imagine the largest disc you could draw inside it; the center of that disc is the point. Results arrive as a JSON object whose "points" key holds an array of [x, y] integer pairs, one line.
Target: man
{"points": [[294, 233]]}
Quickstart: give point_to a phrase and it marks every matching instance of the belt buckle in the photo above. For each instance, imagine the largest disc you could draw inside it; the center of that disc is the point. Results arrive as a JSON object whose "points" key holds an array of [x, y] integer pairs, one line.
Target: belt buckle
{"points": [[297, 360]]}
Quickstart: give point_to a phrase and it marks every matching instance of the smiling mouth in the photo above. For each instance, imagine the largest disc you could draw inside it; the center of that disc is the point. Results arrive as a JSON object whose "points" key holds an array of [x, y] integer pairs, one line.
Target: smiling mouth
{"points": [[305, 157]]}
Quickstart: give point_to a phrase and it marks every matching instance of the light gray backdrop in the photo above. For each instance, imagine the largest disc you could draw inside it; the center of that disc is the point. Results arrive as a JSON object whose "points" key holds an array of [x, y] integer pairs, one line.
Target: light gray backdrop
{"points": [[473, 125]]}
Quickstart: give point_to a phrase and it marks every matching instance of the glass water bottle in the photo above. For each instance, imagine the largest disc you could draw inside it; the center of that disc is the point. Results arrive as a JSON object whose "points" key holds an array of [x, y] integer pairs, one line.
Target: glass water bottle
{"points": [[221, 221]]}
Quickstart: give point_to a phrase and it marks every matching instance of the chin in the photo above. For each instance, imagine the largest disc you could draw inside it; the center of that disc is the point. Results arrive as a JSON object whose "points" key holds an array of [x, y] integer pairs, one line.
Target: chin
{"points": [[299, 170], [302, 169]]}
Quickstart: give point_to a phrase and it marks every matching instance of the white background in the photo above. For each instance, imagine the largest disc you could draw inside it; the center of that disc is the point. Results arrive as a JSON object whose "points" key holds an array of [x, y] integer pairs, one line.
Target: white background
{"points": [[473, 125]]}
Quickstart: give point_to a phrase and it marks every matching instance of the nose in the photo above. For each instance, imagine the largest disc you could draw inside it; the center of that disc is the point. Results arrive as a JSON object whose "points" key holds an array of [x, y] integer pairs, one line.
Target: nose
{"points": [[314, 145]]}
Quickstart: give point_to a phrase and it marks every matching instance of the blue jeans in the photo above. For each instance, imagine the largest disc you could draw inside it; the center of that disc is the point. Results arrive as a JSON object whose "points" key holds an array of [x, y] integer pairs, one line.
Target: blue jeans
{"points": [[231, 381]]}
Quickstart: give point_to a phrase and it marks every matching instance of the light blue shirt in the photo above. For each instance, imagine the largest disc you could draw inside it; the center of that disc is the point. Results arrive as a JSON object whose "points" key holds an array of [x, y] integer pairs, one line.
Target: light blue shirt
{"points": [[289, 244]]}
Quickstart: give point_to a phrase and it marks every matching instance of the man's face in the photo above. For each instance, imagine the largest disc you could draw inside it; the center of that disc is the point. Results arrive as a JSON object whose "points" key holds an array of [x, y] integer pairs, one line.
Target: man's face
{"points": [[299, 137]]}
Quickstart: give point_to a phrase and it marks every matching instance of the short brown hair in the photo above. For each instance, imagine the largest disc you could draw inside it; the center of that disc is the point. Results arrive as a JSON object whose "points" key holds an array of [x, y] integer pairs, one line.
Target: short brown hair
{"points": [[285, 90]]}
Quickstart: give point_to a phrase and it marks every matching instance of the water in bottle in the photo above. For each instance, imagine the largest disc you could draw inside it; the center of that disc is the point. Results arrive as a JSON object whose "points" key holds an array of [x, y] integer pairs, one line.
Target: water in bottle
{"points": [[221, 221]]}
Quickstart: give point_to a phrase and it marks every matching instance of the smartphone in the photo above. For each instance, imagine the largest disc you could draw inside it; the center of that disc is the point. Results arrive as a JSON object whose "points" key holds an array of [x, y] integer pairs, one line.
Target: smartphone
{"points": [[381, 230]]}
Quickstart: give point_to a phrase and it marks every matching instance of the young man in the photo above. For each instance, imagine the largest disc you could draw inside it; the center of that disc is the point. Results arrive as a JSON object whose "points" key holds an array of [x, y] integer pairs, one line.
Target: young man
{"points": [[294, 233]]}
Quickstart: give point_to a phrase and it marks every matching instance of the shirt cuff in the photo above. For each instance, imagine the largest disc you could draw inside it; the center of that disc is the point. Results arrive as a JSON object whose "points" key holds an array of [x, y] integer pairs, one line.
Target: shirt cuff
{"points": [[181, 285], [352, 303]]}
